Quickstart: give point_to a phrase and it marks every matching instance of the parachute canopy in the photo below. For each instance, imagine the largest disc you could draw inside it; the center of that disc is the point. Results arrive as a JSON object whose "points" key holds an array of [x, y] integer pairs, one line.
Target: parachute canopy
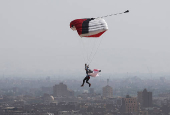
{"points": [[89, 27]]}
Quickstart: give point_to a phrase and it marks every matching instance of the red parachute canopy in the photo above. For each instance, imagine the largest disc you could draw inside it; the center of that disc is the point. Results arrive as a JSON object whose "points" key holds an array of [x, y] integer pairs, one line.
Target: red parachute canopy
{"points": [[89, 27]]}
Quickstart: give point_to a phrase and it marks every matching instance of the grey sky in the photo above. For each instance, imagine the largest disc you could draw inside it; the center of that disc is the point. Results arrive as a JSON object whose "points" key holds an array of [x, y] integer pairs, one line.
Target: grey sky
{"points": [[35, 36]]}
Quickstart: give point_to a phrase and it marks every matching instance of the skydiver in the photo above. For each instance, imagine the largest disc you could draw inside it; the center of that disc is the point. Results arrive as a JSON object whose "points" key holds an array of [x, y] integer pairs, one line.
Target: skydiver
{"points": [[87, 76]]}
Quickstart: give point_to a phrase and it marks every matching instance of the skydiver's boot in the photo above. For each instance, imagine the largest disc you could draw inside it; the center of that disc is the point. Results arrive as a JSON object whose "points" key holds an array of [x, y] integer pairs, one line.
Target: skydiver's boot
{"points": [[89, 84], [82, 85]]}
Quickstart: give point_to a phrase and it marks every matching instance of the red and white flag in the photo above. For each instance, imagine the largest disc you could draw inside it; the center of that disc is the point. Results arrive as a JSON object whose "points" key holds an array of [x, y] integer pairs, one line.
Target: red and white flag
{"points": [[95, 73]]}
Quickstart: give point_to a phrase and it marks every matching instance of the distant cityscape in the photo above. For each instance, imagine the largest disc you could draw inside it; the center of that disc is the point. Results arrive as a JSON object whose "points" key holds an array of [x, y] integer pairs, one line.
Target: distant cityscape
{"points": [[125, 96]]}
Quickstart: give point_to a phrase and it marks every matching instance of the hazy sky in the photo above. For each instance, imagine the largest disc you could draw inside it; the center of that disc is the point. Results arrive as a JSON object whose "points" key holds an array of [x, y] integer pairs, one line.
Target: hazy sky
{"points": [[35, 36]]}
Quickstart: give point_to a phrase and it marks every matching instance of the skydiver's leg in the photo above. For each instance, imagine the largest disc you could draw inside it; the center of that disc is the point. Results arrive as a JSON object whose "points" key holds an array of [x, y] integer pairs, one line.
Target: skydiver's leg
{"points": [[83, 81], [87, 81]]}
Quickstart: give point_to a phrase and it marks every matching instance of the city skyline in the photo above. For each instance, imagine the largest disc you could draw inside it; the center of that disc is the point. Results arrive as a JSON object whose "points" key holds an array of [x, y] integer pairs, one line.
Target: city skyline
{"points": [[59, 98]]}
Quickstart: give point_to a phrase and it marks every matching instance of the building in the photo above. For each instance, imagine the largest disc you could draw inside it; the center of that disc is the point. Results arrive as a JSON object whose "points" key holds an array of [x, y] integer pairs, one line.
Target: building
{"points": [[107, 91], [129, 105], [61, 90], [145, 98]]}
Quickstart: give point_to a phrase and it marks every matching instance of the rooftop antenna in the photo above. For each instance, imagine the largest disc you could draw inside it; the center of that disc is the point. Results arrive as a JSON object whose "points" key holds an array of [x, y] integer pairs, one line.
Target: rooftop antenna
{"points": [[107, 81]]}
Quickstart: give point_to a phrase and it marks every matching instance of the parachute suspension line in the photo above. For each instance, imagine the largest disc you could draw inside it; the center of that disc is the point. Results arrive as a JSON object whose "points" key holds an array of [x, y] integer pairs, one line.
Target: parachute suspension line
{"points": [[93, 48], [89, 44], [88, 48], [114, 14], [96, 51], [95, 44], [85, 49], [82, 51]]}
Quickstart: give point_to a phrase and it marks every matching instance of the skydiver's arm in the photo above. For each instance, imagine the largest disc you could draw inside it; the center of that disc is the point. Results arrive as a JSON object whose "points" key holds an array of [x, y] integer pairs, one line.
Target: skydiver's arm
{"points": [[85, 66]]}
